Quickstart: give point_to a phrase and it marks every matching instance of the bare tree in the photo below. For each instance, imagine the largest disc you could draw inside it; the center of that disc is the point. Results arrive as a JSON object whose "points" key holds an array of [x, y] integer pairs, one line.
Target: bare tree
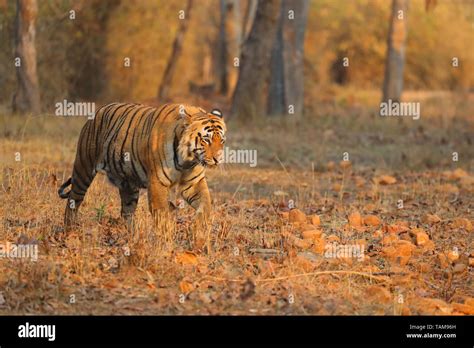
{"points": [[165, 86], [249, 95], [395, 61], [286, 90], [237, 24], [27, 96], [222, 49], [249, 18]]}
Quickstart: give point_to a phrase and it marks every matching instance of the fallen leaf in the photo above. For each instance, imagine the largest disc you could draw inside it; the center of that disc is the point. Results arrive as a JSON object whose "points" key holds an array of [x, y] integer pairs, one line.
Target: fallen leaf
{"points": [[345, 164], [463, 223], [385, 180], [429, 306], [315, 220], [311, 234], [458, 174], [319, 245], [431, 218], [187, 258], [463, 308], [186, 287], [421, 236], [333, 238], [459, 267], [369, 207], [443, 260], [355, 220], [330, 165], [297, 215], [400, 252], [359, 181], [452, 255], [372, 220]]}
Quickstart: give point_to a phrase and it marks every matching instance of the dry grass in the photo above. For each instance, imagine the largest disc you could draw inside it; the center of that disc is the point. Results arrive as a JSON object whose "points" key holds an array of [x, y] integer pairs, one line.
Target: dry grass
{"points": [[257, 263]]}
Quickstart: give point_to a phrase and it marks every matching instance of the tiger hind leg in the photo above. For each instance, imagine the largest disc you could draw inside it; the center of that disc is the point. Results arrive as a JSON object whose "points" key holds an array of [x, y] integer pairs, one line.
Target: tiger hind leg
{"points": [[81, 180], [129, 196]]}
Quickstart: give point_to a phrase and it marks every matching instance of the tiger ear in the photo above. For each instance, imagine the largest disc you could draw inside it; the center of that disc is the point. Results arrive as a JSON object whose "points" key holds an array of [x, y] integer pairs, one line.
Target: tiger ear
{"points": [[217, 112]]}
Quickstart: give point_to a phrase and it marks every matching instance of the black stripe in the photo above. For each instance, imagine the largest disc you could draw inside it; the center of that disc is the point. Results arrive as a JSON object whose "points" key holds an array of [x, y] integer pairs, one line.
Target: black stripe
{"points": [[193, 197], [152, 120], [134, 152], [112, 163], [193, 178], [118, 118], [106, 110], [80, 183], [128, 129]]}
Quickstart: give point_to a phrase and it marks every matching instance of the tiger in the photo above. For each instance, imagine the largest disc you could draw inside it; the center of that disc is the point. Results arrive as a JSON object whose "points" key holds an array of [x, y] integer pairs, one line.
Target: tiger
{"points": [[152, 148]]}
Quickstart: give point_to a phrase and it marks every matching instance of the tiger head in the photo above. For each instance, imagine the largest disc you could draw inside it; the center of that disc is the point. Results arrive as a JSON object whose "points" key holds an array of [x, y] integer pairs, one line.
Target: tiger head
{"points": [[203, 139]]}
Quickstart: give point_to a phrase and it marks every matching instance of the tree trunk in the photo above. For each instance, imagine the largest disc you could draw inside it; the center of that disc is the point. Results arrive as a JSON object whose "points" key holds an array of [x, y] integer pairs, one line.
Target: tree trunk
{"points": [[26, 97], [222, 49], [393, 82], [248, 18], [249, 95], [237, 24], [276, 88], [286, 91], [165, 86]]}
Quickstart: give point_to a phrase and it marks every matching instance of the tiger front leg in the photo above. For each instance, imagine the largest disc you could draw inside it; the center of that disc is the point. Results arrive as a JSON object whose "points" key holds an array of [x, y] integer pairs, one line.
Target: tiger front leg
{"points": [[158, 200], [199, 198]]}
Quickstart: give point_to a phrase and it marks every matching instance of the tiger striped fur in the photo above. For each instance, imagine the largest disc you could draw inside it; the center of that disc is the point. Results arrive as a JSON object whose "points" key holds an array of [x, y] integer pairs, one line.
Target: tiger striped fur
{"points": [[139, 146]]}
